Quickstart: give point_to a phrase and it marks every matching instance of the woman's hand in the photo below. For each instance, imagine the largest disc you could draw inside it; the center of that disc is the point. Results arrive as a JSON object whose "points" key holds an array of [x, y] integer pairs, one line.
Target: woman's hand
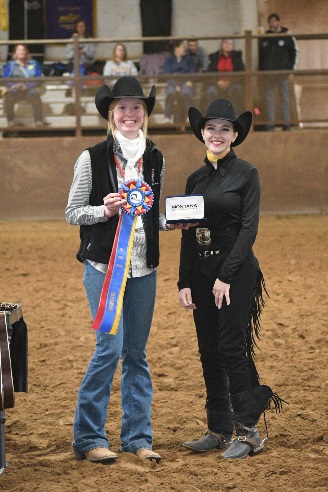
{"points": [[112, 204], [186, 299], [220, 292]]}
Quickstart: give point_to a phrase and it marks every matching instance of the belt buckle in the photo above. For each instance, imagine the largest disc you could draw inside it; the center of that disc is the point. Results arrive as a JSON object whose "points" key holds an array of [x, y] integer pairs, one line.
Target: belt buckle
{"points": [[209, 252]]}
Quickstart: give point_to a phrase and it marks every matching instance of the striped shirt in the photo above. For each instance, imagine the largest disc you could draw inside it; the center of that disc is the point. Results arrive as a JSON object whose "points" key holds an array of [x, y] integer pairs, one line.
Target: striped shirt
{"points": [[79, 212]]}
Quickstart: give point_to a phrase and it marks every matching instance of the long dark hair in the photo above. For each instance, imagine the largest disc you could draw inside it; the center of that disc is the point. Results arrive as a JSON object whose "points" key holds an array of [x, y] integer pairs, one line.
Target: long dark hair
{"points": [[86, 32]]}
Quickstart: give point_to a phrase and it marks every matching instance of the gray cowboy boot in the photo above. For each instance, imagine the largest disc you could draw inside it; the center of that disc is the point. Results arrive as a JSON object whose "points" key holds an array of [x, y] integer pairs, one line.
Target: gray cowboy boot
{"points": [[223, 424], [211, 440], [248, 407], [247, 442]]}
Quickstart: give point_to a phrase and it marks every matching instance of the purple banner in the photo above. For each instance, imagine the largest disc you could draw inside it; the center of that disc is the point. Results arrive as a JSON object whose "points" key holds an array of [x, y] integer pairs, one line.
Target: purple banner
{"points": [[61, 17]]}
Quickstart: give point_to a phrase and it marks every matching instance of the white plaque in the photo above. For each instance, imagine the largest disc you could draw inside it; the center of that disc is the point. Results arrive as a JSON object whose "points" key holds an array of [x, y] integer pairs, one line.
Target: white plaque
{"points": [[184, 208]]}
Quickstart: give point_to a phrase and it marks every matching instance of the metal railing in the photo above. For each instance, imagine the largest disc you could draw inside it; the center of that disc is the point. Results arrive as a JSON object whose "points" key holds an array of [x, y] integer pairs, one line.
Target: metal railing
{"points": [[252, 78]]}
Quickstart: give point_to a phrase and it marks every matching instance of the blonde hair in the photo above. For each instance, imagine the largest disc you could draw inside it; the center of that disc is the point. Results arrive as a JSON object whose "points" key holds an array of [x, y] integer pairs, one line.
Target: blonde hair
{"points": [[111, 123]]}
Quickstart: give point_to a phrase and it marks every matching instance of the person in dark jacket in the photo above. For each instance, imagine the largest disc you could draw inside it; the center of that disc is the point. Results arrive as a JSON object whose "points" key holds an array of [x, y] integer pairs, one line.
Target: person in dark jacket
{"points": [[179, 91], [226, 59], [277, 53], [95, 204], [221, 282], [198, 53]]}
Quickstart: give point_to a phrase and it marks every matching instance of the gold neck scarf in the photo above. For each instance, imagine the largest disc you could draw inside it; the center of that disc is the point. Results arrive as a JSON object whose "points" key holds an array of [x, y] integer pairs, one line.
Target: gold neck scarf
{"points": [[214, 158]]}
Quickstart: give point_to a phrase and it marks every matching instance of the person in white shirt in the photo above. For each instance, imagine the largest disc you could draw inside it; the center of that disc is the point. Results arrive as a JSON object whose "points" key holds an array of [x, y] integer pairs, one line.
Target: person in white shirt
{"points": [[87, 51], [95, 205], [119, 65]]}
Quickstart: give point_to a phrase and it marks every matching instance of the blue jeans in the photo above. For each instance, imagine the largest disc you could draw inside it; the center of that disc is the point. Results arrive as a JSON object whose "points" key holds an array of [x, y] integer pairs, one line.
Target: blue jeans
{"points": [[136, 386], [178, 103], [282, 85]]}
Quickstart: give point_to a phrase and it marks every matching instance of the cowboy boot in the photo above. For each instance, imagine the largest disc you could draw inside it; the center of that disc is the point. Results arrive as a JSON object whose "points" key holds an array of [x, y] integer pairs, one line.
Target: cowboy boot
{"points": [[223, 423], [211, 440], [248, 407], [247, 442]]}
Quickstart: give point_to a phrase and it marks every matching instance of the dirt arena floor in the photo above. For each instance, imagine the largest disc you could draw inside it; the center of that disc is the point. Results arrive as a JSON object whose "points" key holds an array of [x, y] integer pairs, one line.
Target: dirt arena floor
{"points": [[39, 270]]}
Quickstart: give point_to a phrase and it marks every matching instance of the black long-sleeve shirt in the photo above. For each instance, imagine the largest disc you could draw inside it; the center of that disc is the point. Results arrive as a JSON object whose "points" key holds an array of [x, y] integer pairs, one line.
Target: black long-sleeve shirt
{"points": [[231, 205]]}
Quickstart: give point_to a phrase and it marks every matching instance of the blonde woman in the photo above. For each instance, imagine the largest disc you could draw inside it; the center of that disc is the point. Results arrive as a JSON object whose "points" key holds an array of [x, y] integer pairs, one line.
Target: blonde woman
{"points": [[94, 204], [119, 65]]}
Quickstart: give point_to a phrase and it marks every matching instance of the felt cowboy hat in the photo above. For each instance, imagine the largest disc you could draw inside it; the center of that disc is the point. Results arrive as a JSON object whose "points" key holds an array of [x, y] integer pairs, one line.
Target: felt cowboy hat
{"points": [[126, 86], [221, 109]]}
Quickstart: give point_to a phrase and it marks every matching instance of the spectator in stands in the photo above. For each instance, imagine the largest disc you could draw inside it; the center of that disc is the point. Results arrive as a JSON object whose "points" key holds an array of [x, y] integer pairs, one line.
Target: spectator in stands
{"points": [[226, 59], [179, 92], [198, 54], [22, 66], [87, 51], [277, 53], [119, 65]]}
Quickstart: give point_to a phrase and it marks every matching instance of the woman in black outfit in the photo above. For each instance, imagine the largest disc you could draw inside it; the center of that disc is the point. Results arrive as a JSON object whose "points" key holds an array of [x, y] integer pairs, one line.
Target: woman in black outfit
{"points": [[220, 279]]}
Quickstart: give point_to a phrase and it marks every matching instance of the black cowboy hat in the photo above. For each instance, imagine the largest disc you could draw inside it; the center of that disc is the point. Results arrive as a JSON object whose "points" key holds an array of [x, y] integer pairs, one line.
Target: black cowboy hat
{"points": [[126, 86], [221, 109]]}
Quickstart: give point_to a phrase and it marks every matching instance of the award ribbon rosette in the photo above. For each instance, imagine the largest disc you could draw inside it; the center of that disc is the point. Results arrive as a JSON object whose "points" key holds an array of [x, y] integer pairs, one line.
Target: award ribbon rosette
{"points": [[139, 199]]}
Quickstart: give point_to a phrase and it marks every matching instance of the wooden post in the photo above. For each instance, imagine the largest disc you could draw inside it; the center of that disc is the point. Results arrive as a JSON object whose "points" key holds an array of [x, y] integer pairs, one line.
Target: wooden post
{"points": [[249, 97], [3, 463], [77, 84]]}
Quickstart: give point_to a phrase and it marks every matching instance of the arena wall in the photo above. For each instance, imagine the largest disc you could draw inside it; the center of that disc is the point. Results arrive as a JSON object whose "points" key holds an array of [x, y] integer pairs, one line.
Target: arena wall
{"points": [[36, 174]]}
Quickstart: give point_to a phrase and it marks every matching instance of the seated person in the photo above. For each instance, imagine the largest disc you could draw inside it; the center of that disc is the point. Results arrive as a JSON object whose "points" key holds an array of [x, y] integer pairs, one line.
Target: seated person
{"points": [[198, 54], [179, 93], [226, 60], [22, 66], [87, 51], [119, 65]]}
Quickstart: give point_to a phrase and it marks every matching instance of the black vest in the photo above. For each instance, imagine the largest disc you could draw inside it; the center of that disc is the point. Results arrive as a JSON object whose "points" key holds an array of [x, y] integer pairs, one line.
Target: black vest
{"points": [[97, 239]]}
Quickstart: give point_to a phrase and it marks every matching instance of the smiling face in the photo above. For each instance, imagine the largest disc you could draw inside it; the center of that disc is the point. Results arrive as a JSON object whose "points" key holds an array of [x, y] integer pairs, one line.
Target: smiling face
{"points": [[128, 116], [20, 53], [218, 136]]}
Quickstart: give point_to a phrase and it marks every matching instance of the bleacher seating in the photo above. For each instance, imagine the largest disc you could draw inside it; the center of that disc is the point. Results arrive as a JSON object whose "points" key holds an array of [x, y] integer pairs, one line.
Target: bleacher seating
{"points": [[58, 108], [59, 105]]}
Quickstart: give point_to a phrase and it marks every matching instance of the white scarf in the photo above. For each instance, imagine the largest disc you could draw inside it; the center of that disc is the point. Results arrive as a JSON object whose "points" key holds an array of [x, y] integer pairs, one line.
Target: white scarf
{"points": [[132, 150]]}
